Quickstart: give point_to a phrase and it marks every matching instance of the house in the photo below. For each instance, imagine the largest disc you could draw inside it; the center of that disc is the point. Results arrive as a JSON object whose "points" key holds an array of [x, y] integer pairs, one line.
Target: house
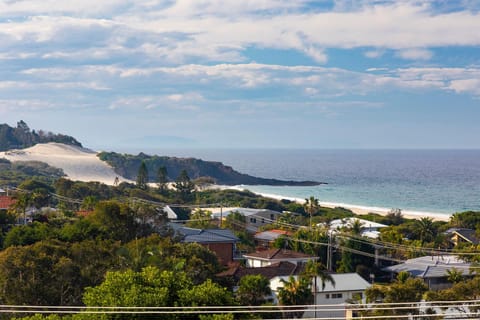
{"points": [[235, 273], [272, 256], [370, 229], [266, 238], [221, 241], [6, 202], [254, 218], [432, 269], [459, 236], [171, 215], [347, 288]]}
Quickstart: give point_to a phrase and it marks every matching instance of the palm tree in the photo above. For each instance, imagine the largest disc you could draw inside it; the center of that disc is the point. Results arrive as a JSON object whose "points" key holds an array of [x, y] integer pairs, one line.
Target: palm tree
{"points": [[315, 270], [295, 292], [356, 227], [425, 229], [311, 207]]}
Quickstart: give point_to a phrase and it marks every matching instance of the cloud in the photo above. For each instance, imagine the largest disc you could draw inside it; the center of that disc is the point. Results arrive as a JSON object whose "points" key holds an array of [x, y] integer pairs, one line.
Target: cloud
{"points": [[415, 54], [179, 32]]}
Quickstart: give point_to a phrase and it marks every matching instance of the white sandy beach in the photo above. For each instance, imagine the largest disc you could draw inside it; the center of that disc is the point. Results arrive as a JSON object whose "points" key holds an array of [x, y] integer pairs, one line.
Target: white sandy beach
{"points": [[79, 164], [357, 209]]}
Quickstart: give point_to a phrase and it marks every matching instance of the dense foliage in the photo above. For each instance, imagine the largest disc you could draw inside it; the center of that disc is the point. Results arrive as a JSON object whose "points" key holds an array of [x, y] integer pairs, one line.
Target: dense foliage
{"points": [[22, 137]]}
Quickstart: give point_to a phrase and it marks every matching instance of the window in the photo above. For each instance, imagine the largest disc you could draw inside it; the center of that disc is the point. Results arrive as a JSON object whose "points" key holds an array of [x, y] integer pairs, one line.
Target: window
{"points": [[253, 220], [337, 295], [263, 220], [272, 217], [327, 295]]}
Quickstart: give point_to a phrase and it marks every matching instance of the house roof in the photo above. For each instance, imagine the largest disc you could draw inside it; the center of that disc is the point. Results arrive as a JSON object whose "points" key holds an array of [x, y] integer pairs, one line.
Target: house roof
{"points": [[344, 282], [170, 213], [205, 235], [467, 234], [6, 202], [278, 254], [282, 268], [270, 235], [247, 212], [348, 222], [431, 266]]}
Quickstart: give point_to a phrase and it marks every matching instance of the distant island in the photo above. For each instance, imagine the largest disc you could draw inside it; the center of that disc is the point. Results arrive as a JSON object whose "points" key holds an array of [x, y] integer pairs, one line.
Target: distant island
{"points": [[127, 166]]}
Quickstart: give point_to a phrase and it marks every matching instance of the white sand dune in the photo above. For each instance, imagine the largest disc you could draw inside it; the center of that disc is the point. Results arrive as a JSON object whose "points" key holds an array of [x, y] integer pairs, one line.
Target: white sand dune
{"points": [[77, 163]]}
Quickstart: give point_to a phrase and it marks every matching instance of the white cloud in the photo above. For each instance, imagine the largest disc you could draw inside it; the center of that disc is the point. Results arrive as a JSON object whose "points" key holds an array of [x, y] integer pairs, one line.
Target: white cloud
{"points": [[183, 31], [415, 54]]}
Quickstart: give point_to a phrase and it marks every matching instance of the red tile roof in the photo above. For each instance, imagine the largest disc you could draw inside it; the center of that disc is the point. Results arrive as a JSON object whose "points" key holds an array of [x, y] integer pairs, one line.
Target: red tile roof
{"points": [[6, 202]]}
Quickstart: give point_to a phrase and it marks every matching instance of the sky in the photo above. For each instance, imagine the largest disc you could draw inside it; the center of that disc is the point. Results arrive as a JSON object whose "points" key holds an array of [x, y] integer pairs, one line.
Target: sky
{"points": [[153, 74]]}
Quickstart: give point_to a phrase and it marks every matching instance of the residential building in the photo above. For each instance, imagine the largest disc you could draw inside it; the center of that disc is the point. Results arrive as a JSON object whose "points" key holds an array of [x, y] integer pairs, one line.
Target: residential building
{"points": [[272, 256], [221, 241], [266, 238], [171, 215], [370, 229], [432, 269], [334, 298], [6, 202], [459, 236], [254, 218]]}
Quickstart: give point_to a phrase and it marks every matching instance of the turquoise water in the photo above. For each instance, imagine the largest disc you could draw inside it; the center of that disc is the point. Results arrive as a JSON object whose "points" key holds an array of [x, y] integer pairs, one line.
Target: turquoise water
{"points": [[442, 181]]}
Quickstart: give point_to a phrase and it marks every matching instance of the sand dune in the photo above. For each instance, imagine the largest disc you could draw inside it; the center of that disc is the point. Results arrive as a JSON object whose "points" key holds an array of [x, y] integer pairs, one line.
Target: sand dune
{"points": [[77, 163]]}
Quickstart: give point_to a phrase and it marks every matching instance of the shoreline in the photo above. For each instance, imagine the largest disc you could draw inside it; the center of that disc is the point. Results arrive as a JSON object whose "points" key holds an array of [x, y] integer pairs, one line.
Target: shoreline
{"points": [[356, 209]]}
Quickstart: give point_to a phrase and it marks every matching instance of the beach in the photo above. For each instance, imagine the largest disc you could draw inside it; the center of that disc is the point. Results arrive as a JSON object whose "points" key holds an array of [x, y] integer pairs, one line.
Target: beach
{"points": [[356, 209]]}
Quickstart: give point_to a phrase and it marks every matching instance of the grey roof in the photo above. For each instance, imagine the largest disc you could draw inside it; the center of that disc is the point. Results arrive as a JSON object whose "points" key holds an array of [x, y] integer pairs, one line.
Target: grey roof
{"points": [[344, 282], [431, 266], [467, 234], [206, 235], [268, 235], [247, 212]]}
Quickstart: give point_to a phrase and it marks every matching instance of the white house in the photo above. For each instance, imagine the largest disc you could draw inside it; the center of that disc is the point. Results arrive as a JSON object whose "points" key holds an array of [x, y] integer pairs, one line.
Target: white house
{"points": [[272, 256], [330, 301], [171, 215], [254, 218], [370, 229]]}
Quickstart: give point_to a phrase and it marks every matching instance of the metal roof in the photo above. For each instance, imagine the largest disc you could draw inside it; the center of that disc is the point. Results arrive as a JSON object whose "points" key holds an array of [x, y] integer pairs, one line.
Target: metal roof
{"points": [[344, 282], [206, 235], [431, 266]]}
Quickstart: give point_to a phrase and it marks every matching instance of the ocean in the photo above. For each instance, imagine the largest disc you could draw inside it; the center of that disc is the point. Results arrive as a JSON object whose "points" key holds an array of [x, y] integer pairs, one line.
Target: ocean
{"points": [[434, 181]]}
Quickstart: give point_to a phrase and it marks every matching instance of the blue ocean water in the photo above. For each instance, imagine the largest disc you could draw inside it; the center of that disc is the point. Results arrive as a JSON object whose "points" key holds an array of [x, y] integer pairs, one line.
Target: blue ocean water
{"points": [[440, 181]]}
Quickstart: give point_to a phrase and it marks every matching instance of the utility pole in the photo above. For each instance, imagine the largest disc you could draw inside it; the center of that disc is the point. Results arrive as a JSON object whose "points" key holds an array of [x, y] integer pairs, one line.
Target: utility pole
{"points": [[329, 251], [221, 214]]}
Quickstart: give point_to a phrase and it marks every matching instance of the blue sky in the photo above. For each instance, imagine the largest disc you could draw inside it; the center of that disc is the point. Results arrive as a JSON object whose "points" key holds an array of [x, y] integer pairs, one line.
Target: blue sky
{"points": [[124, 74]]}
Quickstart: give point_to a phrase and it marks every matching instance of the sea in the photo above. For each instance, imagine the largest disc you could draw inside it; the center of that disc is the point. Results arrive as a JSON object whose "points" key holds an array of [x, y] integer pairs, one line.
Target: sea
{"points": [[431, 181]]}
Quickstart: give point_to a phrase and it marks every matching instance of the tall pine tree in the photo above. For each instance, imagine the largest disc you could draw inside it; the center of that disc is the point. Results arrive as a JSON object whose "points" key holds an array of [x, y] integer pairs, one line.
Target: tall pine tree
{"points": [[142, 177]]}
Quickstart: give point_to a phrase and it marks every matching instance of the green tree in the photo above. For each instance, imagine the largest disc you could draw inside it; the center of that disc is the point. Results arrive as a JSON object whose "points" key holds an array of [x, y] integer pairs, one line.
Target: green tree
{"points": [[115, 220], [403, 289], [252, 290], [454, 275], [184, 185], [311, 207], [295, 292], [205, 294], [162, 179], [142, 176], [424, 229], [201, 219]]}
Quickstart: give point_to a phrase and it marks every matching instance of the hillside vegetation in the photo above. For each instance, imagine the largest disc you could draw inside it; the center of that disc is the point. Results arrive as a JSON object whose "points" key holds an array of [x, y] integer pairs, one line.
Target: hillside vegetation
{"points": [[22, 137], [127, 166]]}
